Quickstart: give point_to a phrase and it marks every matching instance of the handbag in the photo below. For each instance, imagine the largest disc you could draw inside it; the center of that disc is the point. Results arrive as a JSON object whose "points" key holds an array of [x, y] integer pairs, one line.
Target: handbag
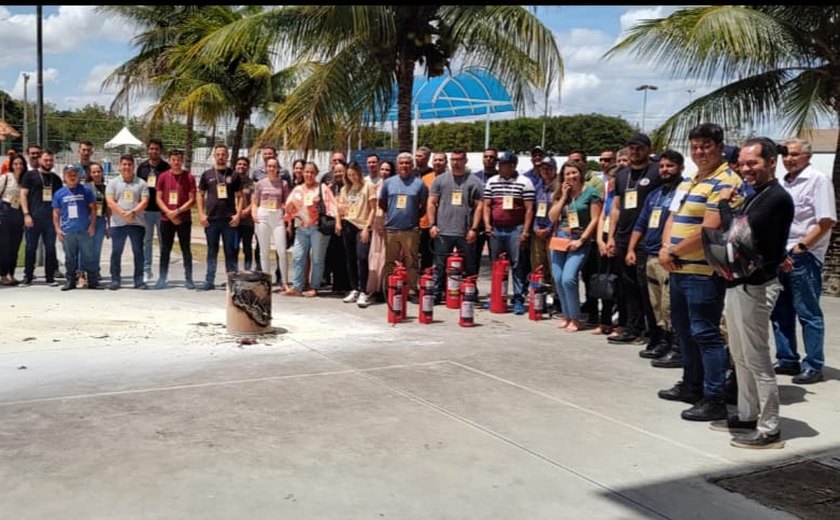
{"points": [[604, 285], [326, 223]]}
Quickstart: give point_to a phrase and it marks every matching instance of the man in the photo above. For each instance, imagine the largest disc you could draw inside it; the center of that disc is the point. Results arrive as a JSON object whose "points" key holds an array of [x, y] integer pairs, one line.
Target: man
{"points": [[697, 293], [606, 160], [454, 211], [372, 163], [74, 213], [149, 170], [537, 156], [489, 159], [508, 215], [219, 207], [327, 176], [542, 227], [801, 278], [439, 167], [648, 229], [175, 196], [592, 178], [749, 300], [85, 158], [632, 186], [36, 195], [127, 196], [403, 198], [421, 161]]}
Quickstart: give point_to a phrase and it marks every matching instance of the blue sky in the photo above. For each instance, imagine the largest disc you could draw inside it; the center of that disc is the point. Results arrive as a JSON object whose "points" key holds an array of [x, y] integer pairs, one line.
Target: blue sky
{"points": [[81, 47]]}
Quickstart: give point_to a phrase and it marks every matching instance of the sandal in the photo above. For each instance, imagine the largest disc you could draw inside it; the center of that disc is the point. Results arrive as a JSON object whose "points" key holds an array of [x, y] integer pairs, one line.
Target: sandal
{"points": [[292, 292], [311, 293]]}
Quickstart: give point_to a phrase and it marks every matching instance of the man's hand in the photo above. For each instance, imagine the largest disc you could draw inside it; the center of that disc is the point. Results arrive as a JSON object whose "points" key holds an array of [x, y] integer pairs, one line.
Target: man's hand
{"points": [[204, 221], [630, 259], [234, 221], [59, 234], [28, 222], [611, 247], [434, 231], [787, 265]]}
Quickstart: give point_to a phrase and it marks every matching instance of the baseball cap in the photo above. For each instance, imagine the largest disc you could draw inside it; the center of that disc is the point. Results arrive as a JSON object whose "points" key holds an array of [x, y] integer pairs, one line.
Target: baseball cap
{"points": [[71, 168], [537, 149], [730, 153], [549, 161], [639, 139], [508, 157]]}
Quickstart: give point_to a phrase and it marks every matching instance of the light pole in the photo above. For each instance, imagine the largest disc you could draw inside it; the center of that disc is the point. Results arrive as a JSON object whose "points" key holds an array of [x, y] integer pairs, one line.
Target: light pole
{"points": [[645, 88], [25, 112]]}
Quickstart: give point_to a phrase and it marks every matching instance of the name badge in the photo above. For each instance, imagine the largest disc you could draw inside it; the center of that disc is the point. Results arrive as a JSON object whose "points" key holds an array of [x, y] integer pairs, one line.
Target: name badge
{"points": [[542, 209], [457, 197], [402, 201], [72, 211], [221, 191], [99, 210], [631, 199], [352, 212], [507, 202], [128, 196], [46, 194], [173, 198], [270, 204], [606, 224], [152, 180], [655, 216], [572, 217], [308, 199]]}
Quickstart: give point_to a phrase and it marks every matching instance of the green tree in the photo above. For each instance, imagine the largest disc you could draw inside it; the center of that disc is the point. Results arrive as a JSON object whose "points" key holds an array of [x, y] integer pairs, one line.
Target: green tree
{"points": [[777, 64], [354, 61]]}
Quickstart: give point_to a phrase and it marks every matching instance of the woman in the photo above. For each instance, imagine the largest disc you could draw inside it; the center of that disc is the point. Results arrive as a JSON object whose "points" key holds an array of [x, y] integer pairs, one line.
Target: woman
{"points": [[267, 210], [356, 201], [574, 214], [245, 231], [302, 206], [11, 219], [95, 181], [607, 264], [376, 222]]}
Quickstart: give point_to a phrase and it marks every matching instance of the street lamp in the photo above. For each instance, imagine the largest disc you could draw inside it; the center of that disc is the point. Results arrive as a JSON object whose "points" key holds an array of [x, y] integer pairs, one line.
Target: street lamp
{"points": [[645, 88], [25, 112]]}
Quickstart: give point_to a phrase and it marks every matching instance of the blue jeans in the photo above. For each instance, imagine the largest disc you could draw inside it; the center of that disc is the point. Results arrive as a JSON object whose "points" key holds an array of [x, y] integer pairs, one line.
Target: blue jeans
{"points": [[696, 309], [308, 241], [506, 239], [42, 229], [98, 240], [213, 232], [118, 236], [800, 297], [565, 270], [152, 219], [78, 250]]}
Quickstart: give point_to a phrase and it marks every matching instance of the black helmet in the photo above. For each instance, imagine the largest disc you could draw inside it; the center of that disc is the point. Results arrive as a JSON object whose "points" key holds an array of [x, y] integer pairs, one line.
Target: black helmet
{"points": [[732, 254]]}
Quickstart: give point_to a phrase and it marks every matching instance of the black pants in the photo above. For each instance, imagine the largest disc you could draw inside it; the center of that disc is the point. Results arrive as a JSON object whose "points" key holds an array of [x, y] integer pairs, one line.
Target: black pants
{"points": [[41, 230], [168, 230], [426, 247], [635, 292], [246, 238], [11, 235], [335, 266], [443, 248], [590, 267], [357, 256]]}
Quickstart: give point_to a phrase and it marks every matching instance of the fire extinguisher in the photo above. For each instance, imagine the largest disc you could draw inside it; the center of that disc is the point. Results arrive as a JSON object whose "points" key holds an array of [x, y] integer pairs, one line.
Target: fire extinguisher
{"points": [[469, 298], [427, 296], [454, 273], [536, 294], [397, 292], [498, 284]]}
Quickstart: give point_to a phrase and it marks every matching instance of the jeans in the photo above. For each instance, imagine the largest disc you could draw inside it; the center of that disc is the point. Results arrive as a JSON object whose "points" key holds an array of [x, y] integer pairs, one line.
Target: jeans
{"points": [[565, 270], [506, 239], [152, 219], [78, 245], [357, 256], [168, 230], [309, 241], [43, 228], [443, 247], [214, 230], [118, 237], [98, 239], [801, 289], [696, 309]]}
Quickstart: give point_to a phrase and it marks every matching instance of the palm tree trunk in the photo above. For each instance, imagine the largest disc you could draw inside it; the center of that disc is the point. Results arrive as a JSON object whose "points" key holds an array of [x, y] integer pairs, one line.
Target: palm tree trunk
{"points": [[189, 140], [237, 137], [405, 90], [831, 273]]}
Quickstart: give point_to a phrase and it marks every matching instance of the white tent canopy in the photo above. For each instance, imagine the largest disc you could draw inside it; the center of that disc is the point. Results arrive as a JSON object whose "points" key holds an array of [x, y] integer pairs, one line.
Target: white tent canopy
{"points": [[124, 138]]}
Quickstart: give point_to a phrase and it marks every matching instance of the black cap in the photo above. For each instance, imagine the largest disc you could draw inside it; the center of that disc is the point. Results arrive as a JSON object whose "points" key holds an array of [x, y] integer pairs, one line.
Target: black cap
{"points": [[537, 149], [730, 153], [548, 160], [639, 139], [508, 157]]}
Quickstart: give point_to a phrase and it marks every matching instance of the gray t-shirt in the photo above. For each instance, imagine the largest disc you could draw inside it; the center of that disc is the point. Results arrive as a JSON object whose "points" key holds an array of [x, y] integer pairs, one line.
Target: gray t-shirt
{"points": [[457, 198], [127, 195]]}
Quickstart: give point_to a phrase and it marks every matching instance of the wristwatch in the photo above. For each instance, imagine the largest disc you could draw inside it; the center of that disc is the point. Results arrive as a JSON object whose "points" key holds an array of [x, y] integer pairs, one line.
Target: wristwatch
{"points": [[802, 246]]}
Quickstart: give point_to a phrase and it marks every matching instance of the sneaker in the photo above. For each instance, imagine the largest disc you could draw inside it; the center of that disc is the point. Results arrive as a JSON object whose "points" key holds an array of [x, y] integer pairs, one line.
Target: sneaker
{"points": [[189, 285], [518, 308], [351, 297], [759, 441], [141, 286], [68, 286], [26, 282], [114, 286], [147, 277], [52, 283], [161, 284], [707, 410], [363, 301], [206, 287], [783, 370], [733, 424]]}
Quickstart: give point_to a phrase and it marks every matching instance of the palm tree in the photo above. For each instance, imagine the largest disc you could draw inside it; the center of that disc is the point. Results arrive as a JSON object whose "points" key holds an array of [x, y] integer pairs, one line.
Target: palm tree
{"points": [[777, 63], [354, 61]]}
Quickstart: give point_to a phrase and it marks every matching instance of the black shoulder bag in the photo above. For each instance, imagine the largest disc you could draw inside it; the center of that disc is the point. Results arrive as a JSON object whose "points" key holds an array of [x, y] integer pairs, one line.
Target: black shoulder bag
{"points": [[326, 223]]}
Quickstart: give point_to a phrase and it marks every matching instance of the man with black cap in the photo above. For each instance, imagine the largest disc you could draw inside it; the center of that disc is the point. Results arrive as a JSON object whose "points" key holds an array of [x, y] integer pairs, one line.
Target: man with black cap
{"points": [[537, 156], [543, 228], [632, 186]]}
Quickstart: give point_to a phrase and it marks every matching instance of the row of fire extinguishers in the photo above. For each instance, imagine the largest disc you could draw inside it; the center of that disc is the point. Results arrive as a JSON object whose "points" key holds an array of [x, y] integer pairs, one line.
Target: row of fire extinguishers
{"points": [[462, 292]]}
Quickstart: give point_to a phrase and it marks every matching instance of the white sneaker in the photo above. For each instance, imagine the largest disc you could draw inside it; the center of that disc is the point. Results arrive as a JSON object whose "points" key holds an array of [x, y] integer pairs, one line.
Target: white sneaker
{"points": [[352, 297], [363, 301], [148, 277]]}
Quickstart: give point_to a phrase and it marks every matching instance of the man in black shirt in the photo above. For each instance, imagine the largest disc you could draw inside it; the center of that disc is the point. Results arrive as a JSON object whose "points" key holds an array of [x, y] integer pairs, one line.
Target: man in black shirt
{"points": [[149, 170], [37, 188], [632, 185], [750, 299]]}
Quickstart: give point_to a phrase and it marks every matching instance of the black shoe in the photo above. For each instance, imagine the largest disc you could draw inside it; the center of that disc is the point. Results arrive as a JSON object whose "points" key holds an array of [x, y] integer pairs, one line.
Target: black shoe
{"points": [[656, 350], [161, 284], [52, 283], [206, 287], [679, 392], [94, 285], [26, 282], [624, 338], [141, 286], [189, 285], [759, 441], [58, 274], [781, 370], [672, 359], [733, 424], [68, 286], [807, 377], [114, 286], [707, 409]]}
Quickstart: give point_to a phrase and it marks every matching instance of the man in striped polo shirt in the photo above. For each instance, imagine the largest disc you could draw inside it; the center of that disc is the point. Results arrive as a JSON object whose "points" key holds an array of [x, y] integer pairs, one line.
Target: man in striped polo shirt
{"points": [[508, 214], [697, 293]]}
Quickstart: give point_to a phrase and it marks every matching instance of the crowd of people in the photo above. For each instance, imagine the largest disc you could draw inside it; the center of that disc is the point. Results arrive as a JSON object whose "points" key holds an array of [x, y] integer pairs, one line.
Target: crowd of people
{"points": [[633, 234]]}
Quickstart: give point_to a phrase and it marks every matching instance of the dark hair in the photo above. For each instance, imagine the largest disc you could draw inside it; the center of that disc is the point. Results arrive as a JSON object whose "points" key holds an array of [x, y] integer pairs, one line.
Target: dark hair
{"points": [[373, 155], [86, 142], [358, 169], [155, 141], [88, 175], [769, 148], [296, 161], [127, 157], [673, 156], [707, 131], [247, 161], [581, 152], [459, 150], [391, 164], [22, 158], [492, 149], [177, 152], [341, 162], [273, 149]]}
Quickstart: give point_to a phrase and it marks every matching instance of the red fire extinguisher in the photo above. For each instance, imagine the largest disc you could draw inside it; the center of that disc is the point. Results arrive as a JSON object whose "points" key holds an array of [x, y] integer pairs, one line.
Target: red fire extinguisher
{"points": [[454, 273], [498, 284], [469, 298], [427, 296], [397, 294], [536, 294]]}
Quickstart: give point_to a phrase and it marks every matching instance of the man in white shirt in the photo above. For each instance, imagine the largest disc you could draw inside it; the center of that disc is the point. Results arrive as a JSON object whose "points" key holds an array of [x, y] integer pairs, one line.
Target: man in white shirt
{"points": [[814, 215]]}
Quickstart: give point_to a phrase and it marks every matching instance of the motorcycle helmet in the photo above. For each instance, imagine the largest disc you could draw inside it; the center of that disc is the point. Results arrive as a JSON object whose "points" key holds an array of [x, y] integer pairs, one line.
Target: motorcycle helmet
{"points": [[732, 253]]}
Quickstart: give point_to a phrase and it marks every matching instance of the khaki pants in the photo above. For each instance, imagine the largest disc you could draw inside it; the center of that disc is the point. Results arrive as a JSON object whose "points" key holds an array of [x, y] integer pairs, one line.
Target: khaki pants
{"points": [[660, 293], [403, 246]]}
